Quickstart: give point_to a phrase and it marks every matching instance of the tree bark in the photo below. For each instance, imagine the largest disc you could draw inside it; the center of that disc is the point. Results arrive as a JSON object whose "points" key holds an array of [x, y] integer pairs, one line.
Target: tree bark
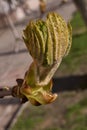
{"points": [[82, 6]]}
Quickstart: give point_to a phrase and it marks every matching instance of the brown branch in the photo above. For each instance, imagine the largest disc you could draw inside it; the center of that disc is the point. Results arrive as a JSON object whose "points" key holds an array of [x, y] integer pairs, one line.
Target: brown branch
{"points": [[5, 91], [14, 91], [11, 91]]}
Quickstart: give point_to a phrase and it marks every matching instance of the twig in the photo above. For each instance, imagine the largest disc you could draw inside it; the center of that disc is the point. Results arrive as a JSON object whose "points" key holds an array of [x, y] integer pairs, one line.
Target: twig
{"points": [[5, 91]]}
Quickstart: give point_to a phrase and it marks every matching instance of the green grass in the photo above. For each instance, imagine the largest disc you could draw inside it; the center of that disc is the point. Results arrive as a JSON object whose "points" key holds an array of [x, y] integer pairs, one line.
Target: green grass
{"points": [[76, 116], [76, 109], [29, 119], [78, 53], [77, 21]]}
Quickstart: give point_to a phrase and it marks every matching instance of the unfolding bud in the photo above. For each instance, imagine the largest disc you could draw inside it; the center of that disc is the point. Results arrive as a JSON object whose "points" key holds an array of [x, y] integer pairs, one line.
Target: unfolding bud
{"points": [[47, 42]]}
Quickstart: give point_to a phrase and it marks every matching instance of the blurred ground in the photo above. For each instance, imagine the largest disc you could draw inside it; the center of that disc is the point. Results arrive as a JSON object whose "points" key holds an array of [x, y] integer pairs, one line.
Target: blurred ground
{"points": [[14, 65], [68, 112]]}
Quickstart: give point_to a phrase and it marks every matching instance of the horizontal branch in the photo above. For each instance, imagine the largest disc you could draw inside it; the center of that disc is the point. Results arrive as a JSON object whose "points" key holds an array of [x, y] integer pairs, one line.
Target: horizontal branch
{"points": [[5, 91]]}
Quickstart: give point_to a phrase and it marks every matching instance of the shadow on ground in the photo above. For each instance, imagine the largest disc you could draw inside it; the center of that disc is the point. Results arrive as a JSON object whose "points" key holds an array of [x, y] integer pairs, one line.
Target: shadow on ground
{"points": [[13, 52], [8, 101], [59, 85], [70, 83]]}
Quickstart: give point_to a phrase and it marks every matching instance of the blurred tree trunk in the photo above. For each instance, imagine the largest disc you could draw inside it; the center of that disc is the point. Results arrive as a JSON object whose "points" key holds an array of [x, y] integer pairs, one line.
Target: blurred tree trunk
{"points": [[82, 6]]}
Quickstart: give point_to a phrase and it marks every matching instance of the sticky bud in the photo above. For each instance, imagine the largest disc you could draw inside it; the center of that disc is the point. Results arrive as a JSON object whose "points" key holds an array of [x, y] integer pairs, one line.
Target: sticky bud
{"points": [[47, 42]]}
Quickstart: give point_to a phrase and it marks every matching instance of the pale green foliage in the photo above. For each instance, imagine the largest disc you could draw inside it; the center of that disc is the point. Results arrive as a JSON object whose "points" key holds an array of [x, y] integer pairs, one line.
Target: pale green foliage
{"points": [[48, 42]]}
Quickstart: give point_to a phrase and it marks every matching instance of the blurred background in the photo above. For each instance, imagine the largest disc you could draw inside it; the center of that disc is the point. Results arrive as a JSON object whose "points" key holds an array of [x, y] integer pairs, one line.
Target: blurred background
{"points": [[69, 111]]}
